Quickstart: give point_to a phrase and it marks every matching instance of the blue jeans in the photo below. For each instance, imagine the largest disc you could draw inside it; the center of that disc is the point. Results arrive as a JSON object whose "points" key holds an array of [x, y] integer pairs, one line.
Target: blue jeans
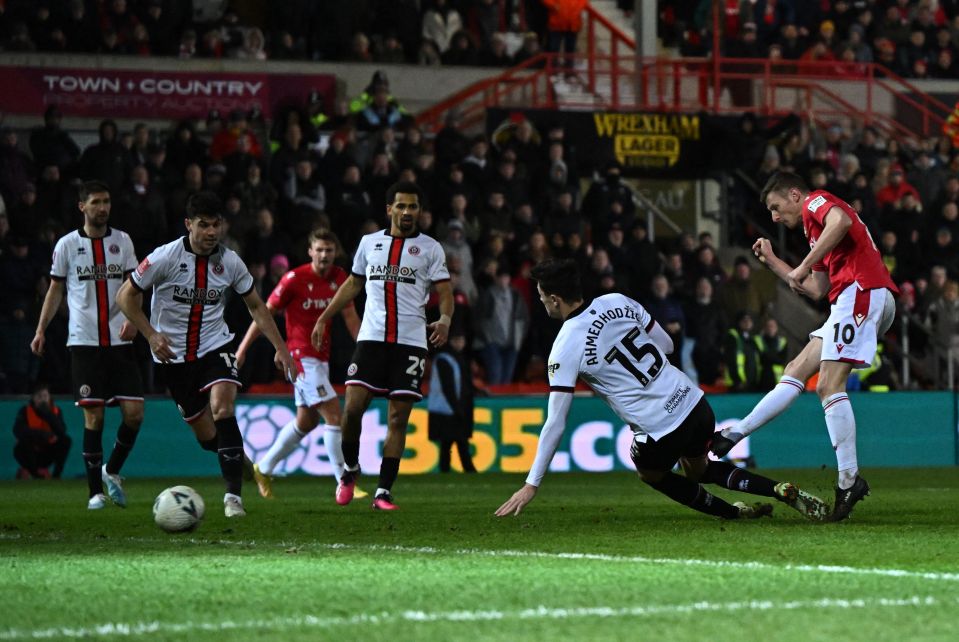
{"points": [[499, 361]]}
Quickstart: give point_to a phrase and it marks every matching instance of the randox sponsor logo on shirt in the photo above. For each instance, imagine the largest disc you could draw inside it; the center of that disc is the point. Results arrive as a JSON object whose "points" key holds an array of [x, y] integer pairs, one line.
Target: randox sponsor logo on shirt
{"points": [[195, 296], [99, 272]]}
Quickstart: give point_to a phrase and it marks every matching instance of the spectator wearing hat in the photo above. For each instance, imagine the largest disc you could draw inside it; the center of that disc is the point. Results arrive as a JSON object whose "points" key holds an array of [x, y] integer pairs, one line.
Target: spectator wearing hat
{"points": [[605, 190], [381, 111], [107, 160], [184, 147], [365, 99], [856, 41], [51, 145], [740, 355], [891, 195]]}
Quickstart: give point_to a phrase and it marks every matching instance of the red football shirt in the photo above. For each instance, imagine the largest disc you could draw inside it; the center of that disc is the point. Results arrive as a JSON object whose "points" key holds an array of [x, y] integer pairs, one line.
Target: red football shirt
{"points": [[303, 295], [856, 259]]}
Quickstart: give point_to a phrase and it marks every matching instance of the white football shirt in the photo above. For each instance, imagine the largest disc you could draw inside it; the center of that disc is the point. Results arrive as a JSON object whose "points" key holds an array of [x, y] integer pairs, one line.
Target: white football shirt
{"points": [[93, 270], [188, 295], [607, 343], [399, 273]]}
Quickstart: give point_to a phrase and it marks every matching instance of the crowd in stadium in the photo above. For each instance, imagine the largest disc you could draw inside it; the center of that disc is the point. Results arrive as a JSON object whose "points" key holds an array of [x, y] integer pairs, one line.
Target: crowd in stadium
{"points": [[497, 33], [497, 209], [912, 38]]}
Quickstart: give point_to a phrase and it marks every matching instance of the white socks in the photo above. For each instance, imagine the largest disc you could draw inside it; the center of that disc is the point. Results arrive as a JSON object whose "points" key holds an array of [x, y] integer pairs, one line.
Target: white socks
{"points": [[289, 439], [841, 424], [769, 407], [286, 442], [333, 440]]}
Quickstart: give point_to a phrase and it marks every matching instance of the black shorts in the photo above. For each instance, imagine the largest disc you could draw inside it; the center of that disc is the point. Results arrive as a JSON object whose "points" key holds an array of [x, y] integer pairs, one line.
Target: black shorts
{"points": [[190, 382], [387, 369], [105, 376], [689, 440]]}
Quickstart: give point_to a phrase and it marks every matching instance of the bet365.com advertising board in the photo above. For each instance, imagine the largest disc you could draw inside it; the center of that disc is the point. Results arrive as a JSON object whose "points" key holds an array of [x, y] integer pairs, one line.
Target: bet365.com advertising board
{"points": [[507, 429]]}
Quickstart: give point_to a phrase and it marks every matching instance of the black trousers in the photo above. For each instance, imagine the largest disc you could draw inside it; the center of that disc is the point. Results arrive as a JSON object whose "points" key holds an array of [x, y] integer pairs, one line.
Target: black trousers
{"points": [[33, 459]]}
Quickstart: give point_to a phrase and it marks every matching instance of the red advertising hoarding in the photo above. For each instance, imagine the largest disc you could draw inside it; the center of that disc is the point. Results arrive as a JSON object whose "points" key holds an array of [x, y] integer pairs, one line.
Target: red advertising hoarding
{"points": [[96, 93]]}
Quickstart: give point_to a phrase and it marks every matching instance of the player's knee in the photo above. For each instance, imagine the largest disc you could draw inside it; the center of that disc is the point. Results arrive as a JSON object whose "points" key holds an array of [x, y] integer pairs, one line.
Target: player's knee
{"points": [[221, 409], [830, 384], [133, 418]]}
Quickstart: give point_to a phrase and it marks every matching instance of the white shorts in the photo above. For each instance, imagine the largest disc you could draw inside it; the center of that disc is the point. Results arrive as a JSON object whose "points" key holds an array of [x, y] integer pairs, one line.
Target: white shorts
{"points": [[313, 385], [856, 321]]}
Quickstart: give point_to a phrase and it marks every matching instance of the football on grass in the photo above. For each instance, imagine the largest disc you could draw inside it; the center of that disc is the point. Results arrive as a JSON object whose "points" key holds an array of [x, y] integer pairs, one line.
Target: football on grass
{"points": [[178, 509]]}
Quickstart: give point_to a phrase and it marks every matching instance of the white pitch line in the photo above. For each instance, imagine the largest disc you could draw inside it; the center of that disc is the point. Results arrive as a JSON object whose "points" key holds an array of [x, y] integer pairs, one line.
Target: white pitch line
{"points": [[590, 557], [131, 629]]}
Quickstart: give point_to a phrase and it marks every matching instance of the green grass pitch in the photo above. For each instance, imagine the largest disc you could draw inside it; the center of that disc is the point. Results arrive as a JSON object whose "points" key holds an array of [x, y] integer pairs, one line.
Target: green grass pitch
{"points": [[594, 557]]}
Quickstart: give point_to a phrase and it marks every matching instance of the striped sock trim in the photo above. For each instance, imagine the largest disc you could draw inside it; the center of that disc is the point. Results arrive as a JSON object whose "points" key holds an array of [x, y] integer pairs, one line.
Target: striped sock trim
{"points": [[795, 383], [835, 399]]}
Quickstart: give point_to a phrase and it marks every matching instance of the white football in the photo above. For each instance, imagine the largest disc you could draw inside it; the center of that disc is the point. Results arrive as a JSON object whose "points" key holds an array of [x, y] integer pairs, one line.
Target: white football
{"points": [[178, 509]]}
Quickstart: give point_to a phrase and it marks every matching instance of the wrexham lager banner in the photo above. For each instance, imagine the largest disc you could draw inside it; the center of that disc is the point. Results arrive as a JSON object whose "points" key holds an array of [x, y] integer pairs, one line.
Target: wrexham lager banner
{"points": [[647, 144]]}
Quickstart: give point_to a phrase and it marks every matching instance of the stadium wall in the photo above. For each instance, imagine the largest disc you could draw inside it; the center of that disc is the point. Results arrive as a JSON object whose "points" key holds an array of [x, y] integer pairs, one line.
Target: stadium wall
{"points": [[898, 429]]}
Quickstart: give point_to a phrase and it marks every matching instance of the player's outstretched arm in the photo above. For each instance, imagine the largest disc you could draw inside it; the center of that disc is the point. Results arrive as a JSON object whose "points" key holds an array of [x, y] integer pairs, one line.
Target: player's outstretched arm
{"points": [[51, 302], [347, 292], [557, 410], [263, 318]]}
